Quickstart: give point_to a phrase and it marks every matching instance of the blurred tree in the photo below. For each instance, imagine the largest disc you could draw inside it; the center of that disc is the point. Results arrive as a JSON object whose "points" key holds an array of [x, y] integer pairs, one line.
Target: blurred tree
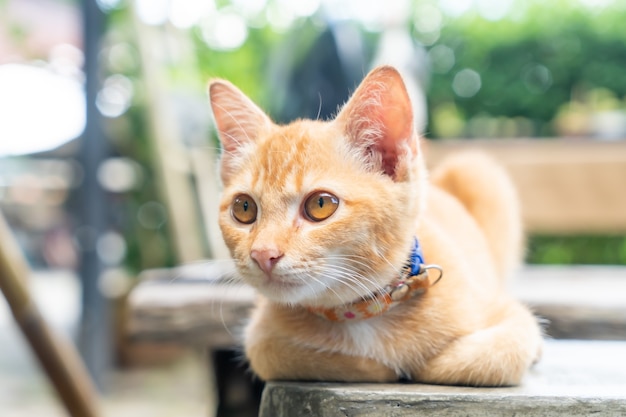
{"points": [[529, 66]]}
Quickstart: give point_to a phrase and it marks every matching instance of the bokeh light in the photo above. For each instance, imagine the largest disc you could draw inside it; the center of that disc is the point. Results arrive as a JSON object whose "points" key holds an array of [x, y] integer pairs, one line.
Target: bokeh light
{"points": [[46, 109]]}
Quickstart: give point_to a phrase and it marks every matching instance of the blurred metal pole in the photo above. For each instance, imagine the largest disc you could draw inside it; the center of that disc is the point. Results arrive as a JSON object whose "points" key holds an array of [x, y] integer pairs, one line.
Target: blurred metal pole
{"points": [[95, 340]]}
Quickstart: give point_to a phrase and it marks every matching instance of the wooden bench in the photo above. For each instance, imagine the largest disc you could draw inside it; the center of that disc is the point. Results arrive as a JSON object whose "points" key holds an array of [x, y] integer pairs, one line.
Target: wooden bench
{"points": [[566, 186], [190, 306]]}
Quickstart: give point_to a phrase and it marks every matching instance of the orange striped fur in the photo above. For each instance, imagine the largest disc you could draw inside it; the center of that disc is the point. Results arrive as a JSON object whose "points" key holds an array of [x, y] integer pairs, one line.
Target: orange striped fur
{"points": [[465, 330]]}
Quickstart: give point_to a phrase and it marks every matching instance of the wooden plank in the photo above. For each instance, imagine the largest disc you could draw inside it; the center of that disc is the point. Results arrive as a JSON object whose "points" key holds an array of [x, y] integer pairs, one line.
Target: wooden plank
{"points": [[566, 186], [192, 305]]}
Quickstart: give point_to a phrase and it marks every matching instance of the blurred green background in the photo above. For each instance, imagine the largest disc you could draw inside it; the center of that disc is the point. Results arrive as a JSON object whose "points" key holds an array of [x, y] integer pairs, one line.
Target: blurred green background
{"points": [[487, 69]]}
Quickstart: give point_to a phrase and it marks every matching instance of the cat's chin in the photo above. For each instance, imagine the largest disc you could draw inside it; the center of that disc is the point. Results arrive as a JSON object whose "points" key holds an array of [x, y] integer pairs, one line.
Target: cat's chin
{"points": [[285, 293], [288, 292]]}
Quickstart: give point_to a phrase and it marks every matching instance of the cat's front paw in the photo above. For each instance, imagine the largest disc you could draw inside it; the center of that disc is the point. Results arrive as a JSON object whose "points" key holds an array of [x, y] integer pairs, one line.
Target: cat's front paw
{"points": [[273, 361]]}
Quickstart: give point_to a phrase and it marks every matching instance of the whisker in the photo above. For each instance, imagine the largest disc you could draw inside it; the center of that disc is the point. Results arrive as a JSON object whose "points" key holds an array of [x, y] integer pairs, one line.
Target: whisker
{"points": [[355, 272], [310, 276], [319, 109], [371, 294], [231, 285], [353, 275], [350, 278], [351, 259]]}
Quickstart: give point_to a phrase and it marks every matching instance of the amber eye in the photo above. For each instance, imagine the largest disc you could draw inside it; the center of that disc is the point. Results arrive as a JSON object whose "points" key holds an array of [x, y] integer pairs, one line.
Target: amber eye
{"points": [[320, 205], [244, 209]]}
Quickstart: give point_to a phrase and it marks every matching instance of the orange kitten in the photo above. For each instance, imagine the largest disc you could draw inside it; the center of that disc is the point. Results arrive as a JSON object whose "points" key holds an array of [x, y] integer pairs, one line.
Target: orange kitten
{"points": [[327, 220]]}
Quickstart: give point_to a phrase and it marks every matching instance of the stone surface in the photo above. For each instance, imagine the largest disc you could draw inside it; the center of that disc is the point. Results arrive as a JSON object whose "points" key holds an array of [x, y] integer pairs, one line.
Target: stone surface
{"points": [[574, 378]]}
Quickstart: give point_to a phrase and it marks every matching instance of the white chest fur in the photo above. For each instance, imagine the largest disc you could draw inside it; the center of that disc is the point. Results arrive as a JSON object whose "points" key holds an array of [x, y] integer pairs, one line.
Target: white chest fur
{"points": [[368, 338]]}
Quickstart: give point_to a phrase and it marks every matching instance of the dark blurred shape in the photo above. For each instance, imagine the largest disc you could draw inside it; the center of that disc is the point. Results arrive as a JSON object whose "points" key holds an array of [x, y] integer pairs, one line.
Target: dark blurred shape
{"points": [[238, 394], [319, 84], [95, 341]]}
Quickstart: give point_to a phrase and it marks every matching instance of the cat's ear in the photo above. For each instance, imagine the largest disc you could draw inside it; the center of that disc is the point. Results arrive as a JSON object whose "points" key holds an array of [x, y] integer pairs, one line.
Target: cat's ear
{"points": [[378, 121], [239, 121]]}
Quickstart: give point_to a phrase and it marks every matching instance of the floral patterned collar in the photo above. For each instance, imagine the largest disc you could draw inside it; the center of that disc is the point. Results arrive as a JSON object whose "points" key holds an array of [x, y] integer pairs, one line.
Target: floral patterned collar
{"points": [[413, 281]]}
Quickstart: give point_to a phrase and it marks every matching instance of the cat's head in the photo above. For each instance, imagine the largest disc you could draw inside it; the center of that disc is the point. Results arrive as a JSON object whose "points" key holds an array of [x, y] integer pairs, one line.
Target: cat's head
{"points": [[320, 213]]}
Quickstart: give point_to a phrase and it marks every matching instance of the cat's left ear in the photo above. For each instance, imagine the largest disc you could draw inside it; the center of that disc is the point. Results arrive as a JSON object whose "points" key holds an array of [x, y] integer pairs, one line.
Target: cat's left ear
{"points": [[239, 121], [378, 121]]}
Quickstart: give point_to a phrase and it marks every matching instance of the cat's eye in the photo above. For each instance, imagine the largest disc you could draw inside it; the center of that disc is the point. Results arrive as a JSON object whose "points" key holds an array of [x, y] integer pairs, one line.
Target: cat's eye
{"points": [[320, 205], [244, 209]]}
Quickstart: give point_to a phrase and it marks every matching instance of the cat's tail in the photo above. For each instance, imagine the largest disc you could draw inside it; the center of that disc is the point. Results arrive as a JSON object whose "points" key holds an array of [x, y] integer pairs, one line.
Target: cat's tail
{"points": [[486, 191]]}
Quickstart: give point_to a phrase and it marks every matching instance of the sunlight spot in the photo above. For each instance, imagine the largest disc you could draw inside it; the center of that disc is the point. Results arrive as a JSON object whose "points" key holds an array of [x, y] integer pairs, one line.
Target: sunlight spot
{"points": [[114, 282], [279, 17], [466, 83], [187, 13], [250, 6], [302, 8], [115, 97], [494, 10], [441, 58], [45, 108], [224, 30], [537, 78], [152, 215], [455, 8], [111, 248], [118, 175], [428, 18], [152, 12]]}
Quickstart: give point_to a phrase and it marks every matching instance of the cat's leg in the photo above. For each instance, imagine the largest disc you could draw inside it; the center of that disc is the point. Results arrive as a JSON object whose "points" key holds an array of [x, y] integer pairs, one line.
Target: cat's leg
{"points": [[486, 191], [278, 359], [498, 355]]}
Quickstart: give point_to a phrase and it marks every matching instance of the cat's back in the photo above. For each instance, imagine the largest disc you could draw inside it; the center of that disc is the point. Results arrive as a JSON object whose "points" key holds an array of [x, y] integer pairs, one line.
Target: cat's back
{"points": [[472, 222], [484, 191], [452, 238]]}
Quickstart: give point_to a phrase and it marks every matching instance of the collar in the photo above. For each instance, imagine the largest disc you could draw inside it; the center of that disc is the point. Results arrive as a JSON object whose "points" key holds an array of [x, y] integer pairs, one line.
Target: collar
{"points": [[413, 281]]}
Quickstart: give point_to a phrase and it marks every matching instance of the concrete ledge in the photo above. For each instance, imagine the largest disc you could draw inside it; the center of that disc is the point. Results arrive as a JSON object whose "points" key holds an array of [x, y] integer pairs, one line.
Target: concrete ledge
{"points": [[574, 379]]}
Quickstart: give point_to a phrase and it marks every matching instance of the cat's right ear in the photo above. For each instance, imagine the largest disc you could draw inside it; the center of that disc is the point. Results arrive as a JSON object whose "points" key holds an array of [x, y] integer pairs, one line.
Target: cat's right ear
{"points": [[378, 120], [238, 120]]}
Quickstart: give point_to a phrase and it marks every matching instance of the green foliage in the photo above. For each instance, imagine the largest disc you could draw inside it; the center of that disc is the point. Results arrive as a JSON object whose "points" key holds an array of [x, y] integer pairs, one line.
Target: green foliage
{"points": [[532, 66], [577, 250], [147, 247]]}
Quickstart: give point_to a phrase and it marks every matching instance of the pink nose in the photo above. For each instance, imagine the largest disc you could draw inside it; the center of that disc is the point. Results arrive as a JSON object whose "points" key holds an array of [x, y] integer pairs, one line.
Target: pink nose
{"points": [[266, 258]]}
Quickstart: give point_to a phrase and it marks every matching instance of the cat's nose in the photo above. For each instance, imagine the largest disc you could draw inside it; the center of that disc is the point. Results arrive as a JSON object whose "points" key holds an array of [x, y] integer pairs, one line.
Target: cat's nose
{"points": [[266, 258]]}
